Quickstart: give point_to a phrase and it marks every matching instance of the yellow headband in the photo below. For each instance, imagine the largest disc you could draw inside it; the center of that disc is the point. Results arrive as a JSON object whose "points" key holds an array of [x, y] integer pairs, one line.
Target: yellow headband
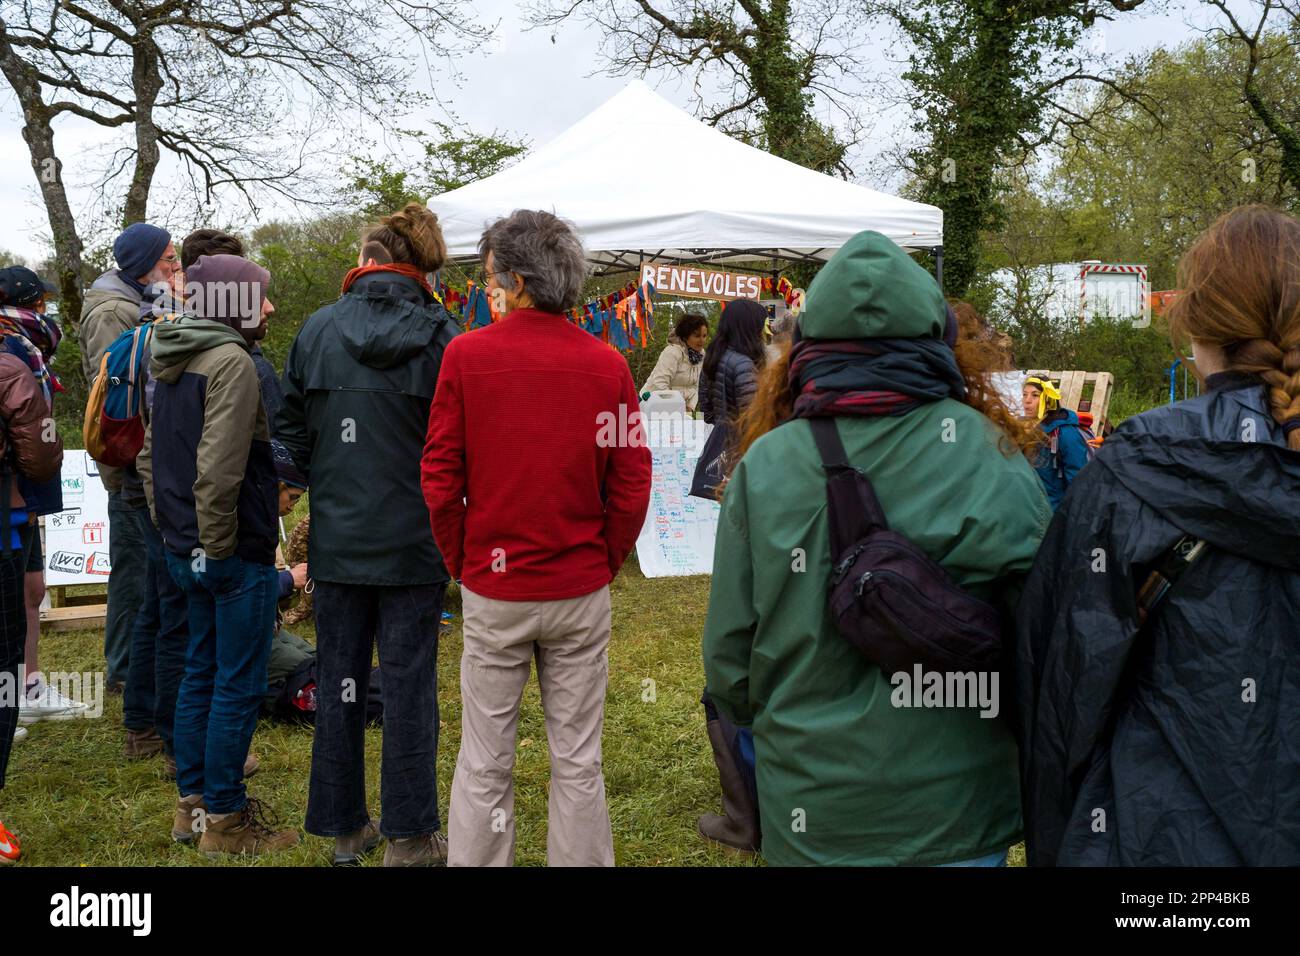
{"points": [[1049, 396]]}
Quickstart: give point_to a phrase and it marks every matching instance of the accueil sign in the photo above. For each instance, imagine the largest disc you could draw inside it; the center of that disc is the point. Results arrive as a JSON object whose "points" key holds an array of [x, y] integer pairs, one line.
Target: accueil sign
{"points": [[700, 283]]}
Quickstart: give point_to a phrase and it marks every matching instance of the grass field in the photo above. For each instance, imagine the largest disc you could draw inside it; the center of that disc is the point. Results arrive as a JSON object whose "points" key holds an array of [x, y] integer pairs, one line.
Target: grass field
{"points": [[74, 799]]}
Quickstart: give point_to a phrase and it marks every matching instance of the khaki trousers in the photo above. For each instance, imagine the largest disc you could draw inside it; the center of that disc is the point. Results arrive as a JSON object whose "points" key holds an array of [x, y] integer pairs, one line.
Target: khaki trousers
{"points": [[571, 639]]}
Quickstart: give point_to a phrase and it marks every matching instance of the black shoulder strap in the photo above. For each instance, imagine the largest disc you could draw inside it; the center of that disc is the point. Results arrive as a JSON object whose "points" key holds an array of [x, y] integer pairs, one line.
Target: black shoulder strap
{"points": [[1165, 572], [855, 511]]}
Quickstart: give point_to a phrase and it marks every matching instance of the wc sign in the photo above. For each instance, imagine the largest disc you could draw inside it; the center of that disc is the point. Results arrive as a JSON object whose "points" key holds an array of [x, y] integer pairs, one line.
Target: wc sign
{"points": [[78, 540]]}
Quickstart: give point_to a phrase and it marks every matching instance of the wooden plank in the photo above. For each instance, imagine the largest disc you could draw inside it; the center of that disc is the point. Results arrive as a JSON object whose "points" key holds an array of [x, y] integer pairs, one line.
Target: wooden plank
{"points": [[1101, 400], [74, 618], [1072, 389]]}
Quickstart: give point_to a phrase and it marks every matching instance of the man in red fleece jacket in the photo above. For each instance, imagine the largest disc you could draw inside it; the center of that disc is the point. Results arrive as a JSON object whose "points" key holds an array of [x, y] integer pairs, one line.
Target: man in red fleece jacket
{"points": [[537, 478]]}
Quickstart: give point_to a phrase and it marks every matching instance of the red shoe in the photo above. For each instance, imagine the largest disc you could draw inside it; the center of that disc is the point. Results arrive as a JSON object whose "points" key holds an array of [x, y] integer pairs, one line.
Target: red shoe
{"points": [[10, 851]]}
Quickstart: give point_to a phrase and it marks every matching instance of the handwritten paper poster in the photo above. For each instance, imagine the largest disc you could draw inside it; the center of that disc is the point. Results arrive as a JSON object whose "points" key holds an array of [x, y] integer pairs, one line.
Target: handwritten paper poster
{"points": [[677, 537], [76, 538]]}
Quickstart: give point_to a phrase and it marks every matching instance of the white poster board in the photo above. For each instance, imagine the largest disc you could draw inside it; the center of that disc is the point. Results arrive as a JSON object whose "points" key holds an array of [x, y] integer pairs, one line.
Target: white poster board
{"points": [[76, 538], [677, 537], [1010, 385]]}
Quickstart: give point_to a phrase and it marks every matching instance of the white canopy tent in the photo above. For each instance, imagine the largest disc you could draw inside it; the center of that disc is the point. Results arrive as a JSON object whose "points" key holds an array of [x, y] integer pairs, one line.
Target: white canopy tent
{"points": [[642, 179]]}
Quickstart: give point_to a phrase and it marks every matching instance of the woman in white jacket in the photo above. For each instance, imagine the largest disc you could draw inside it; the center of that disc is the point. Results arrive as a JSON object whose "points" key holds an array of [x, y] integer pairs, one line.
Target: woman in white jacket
{"points": [[678, 368]]}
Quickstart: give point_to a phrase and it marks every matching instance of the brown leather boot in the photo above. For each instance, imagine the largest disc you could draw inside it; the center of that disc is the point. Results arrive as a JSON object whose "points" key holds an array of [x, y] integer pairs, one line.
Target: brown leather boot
{"points": [[246, 831], [142, 743], [191, 817], [251, 763], [737, 828], [348, 850], [427, 849]]}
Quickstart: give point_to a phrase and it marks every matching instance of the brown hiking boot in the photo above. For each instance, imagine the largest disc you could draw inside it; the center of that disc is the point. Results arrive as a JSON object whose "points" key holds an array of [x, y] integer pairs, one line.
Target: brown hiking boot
{"points": [[246, 831], [348, 850], [142, 743], [251, 763], [427, 849], [191, 817]]}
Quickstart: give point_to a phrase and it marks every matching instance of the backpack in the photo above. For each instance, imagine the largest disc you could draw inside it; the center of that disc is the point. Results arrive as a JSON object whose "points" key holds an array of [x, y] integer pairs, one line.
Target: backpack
{"points": [[294, 699], [1090, 442], [890, 600], [113, 428]]}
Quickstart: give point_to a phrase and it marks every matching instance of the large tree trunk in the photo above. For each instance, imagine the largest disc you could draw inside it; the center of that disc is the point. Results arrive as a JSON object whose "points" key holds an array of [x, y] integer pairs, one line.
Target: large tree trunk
{"points": [[39, 135], [145, 83], [1288, 138]]}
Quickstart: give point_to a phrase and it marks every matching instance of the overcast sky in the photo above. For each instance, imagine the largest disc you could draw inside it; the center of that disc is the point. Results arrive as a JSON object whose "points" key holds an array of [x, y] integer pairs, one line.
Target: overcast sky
{"points": [[524, 85]]}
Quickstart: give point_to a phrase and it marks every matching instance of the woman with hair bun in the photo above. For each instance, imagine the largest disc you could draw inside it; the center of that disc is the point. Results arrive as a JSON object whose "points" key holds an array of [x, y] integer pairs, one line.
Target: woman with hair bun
{"points": [[358, 384], [1159, 634]]}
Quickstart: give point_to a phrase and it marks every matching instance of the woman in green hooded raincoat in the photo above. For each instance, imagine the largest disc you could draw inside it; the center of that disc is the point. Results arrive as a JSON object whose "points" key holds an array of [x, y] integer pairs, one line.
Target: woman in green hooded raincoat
{"points": [[850, 771]]}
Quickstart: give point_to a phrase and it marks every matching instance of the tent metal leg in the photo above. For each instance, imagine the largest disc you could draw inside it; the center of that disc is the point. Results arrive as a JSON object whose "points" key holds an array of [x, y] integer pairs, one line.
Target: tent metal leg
{"points": [[938, 266]]}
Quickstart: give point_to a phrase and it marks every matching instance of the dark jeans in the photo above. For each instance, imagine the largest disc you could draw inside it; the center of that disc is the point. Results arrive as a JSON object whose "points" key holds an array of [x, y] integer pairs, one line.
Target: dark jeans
{"points": [[13, 643], [158, 643], [231, 620], [349, 619], [126, 556]]}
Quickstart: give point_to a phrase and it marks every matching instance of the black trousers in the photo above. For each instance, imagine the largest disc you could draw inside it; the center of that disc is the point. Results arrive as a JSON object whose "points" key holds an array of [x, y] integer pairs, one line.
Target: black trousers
{"points": [[13, 641], [350, 619]]}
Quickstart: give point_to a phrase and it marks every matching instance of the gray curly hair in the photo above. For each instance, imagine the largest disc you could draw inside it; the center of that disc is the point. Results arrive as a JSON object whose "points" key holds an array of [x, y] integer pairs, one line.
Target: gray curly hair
{"points": [[545, 250]]}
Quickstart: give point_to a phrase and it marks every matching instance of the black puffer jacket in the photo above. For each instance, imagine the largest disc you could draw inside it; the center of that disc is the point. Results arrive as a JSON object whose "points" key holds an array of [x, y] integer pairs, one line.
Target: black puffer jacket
{"points": [[1175, 744], [731, 388], [358, 383]]}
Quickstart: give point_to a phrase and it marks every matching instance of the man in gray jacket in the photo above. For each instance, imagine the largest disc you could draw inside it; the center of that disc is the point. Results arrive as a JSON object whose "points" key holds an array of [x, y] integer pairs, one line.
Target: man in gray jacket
{"points": [[146, 261]]}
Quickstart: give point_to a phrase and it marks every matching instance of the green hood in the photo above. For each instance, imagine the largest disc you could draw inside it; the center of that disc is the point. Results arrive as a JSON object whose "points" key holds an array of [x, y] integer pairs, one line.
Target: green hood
{"points": [[871, 289], [175, 343]]}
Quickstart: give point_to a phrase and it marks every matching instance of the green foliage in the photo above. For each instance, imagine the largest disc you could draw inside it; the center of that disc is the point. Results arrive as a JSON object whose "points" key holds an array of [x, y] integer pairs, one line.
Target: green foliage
{"points": [[377, 187], [307, 262], [1139, 358], [1136, 187], [74, 801], [978, 71]]}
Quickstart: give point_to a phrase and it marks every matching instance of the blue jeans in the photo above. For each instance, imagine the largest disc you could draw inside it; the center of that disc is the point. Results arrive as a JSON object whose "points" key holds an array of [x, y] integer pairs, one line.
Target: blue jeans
{"points": [[350, 618], [158, 644], [232, 621], [126, 556]]}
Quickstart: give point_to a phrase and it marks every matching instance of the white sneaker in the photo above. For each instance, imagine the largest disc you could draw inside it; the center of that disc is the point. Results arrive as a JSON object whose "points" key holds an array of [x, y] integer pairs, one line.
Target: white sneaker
{"points": [[19, 733], [49, 704]]}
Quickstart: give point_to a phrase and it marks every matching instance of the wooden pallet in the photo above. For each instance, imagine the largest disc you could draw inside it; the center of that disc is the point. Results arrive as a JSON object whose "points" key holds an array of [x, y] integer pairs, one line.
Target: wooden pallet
{"points": [[1074, 385]]}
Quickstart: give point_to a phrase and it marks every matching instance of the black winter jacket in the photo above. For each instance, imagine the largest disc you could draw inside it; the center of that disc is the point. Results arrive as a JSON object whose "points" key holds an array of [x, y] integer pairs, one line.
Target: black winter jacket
{"points": [[358, 383], [1177, 743], [731, 388]]}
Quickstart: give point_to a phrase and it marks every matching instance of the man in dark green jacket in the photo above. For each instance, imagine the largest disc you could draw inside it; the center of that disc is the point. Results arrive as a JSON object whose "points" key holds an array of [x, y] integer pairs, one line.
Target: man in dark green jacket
{"points": [[358, 383], [849, 770]]}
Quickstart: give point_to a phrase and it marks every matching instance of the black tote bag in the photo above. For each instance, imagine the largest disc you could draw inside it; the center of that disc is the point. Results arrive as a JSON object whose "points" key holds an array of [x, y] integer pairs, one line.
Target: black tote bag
{"points": [[711, 469]]}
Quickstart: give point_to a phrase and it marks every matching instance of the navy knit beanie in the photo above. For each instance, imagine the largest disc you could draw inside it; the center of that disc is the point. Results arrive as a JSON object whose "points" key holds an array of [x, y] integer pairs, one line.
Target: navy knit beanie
{"points": [[138, 249], [285, 469]]}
